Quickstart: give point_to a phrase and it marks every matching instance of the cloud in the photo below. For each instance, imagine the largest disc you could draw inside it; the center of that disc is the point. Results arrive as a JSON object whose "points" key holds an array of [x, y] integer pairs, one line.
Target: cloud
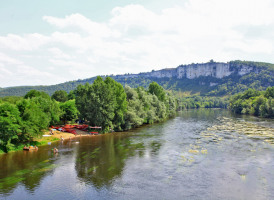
{"points": [[79, 21], [136, 39], [8, 60], [57, 53], [27, 42]]}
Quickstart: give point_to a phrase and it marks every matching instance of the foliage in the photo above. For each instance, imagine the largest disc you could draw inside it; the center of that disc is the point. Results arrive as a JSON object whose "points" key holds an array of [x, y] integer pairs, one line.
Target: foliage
{"points": [[37, 114], [22, 119], [253, 102], [36, 93], [120, 102], [155, 88], [9, 125], [96, 103], [71, 95], [103, 103], [106, 103], [10, 99], [145, 107], [70, 111], [269, 92], [202, 102], [60, 95], [252, 64]]}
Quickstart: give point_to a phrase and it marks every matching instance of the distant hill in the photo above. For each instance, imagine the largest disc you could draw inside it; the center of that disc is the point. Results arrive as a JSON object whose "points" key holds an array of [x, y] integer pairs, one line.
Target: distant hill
{"points": [[212, 78]]}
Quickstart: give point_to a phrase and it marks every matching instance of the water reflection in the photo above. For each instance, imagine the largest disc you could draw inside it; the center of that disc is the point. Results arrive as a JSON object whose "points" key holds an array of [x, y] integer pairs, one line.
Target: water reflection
{"points": [[27, 168], [199, 154], [100, 164]]}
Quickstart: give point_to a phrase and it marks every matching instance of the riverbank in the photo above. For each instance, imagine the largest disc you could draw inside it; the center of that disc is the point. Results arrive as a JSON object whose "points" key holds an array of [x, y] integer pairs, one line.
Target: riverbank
{"points": [[46, 138]]}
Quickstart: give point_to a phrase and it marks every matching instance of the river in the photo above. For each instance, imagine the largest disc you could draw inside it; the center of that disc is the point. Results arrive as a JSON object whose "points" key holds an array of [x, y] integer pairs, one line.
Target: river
{"points": [[199, 154]]}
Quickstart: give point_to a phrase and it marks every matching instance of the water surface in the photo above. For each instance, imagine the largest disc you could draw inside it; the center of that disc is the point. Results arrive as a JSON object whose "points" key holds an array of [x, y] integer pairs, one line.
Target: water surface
{"points": [[199, 154]]}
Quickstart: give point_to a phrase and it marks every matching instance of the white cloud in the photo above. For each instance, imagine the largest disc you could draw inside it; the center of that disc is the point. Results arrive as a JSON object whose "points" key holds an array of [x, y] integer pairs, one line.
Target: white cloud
{"points": [[79, 21], [67, 63], [8, 60], [3, 71], [57, 53], [27, 42], [135, 39]]}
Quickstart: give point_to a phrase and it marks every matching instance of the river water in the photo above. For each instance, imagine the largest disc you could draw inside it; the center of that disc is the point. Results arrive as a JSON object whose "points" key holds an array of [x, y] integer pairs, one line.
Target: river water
{"points": [[199, 154]]}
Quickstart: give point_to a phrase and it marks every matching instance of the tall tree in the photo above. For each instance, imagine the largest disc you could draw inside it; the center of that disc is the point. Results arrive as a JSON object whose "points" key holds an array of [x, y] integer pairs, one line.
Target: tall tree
{"points": [[70, 111], [155, 88], [36, 93], [96, 102], [120, 107], [9, 125], [60, 95], [269, 92]]}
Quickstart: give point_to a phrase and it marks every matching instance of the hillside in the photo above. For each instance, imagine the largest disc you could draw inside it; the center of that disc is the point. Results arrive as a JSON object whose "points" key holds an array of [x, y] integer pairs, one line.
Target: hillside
{"points": [[212, 78]]}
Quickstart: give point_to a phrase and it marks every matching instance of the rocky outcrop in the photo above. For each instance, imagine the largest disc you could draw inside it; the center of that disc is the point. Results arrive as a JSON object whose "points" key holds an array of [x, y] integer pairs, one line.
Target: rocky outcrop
{"points": [[192, 71]]}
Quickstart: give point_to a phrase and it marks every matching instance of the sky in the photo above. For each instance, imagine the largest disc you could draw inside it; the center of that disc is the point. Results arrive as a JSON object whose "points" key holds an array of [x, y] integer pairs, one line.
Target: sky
{"points": [[51, 42]]}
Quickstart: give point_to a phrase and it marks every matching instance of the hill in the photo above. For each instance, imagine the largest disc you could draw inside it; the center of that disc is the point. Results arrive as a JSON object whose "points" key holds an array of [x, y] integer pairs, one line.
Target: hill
{"points": [[212, 78]]}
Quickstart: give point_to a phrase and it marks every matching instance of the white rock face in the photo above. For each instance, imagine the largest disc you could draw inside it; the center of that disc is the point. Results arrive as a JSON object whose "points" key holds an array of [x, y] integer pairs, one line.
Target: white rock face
{"points": [[162, 73], [245, 70], [217, 70], [222, 70]]}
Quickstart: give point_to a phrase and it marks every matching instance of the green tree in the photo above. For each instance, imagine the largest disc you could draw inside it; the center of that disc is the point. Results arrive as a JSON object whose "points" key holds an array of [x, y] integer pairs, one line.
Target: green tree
{"points": [[9, 125], [36, 93], [34, 119], [60, 95], [70, 111], [155, 88], [71, 95], [96, 103], [269, 92], [120, 102], [135, 113], [37, 114], [11, 99]]}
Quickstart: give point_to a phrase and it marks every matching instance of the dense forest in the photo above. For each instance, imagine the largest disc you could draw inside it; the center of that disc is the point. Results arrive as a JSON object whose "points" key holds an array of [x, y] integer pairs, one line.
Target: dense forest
{"points": [[196, 101], [104, 103], [258, 79], [254, 102]]}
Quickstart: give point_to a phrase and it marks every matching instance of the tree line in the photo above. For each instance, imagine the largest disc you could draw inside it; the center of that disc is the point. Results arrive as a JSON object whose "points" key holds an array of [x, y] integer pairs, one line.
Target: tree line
{"points": [[108, 104], [24, 118], [193, 102], [254, 102], [104, 103]]}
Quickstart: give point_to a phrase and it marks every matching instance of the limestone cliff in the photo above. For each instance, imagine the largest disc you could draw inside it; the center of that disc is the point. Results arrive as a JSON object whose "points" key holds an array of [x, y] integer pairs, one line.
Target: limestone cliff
{"points": [[192, 71]]}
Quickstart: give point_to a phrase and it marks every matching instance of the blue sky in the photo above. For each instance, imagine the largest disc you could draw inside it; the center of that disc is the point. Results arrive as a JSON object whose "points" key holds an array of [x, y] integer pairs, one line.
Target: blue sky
{"points": [[50, 42]]}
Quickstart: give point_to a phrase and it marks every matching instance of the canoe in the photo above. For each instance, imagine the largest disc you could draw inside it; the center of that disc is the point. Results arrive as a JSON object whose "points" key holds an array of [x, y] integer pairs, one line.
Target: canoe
{"points": [[28, 148]]}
